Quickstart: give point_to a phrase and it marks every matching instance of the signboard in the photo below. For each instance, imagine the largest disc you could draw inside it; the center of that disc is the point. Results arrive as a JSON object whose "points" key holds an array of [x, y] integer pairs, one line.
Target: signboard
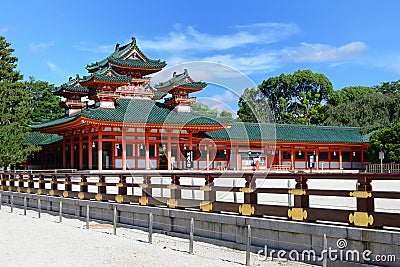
{"points": [[189, 159], [381, 155], [311, 162]]}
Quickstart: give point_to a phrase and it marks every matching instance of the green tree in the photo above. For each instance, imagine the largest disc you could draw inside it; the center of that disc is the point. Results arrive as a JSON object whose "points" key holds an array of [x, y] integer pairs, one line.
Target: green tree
{"points": [[226, 114], [363, 107], [386, 140], [388, 87], [203, 109], [253, 106], [297, 98], [44, 104], [15, 112]]}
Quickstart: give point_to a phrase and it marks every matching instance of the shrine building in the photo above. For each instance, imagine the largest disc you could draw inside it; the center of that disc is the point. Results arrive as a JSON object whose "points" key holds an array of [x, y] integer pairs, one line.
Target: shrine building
{"points": [[116, 120]]}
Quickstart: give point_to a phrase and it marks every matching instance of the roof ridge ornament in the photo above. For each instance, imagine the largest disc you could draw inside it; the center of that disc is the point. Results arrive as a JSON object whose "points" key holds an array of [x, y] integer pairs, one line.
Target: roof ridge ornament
{"points": [[117, 47], [133, 40]]}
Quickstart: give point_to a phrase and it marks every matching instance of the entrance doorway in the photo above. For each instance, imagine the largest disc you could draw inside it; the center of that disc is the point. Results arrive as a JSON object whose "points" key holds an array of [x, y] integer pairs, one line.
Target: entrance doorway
{"points": [[107, 156]]}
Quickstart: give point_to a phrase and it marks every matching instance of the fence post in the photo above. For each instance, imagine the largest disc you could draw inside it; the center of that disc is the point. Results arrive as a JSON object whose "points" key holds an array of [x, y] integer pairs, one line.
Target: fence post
{"points": [[87, 216], [289, 195], [192, 183], [234, 193], [60, 211], [150, 228], [12, 202], [325, 251], [25, 205], [248, 245], [39, 207], [191, 236], [115, 220]]}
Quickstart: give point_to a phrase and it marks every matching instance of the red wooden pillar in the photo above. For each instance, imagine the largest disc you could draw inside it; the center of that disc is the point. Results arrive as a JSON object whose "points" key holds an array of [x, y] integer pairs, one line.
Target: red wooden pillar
{"points": [[72, 152], [190, 142], [238, 158], [169, 154], [147, 146], [362, 157], [100, 149], [80, 147], [64, 152], [123, 149], [178, 154], [340, 159], [292, 164], [90, 151]]}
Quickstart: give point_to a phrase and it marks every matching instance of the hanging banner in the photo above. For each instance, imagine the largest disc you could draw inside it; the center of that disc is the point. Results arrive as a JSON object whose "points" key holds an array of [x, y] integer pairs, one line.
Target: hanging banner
{"points": [[189, 159]]}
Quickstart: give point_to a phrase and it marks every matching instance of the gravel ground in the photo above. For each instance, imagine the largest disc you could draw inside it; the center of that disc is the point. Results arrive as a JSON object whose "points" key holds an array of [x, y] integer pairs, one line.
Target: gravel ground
{"points": [[30, 241]]}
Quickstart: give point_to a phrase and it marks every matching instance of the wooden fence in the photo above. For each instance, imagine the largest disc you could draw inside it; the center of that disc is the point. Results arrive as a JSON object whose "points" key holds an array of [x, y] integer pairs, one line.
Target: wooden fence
{"points": [[114, 187]]}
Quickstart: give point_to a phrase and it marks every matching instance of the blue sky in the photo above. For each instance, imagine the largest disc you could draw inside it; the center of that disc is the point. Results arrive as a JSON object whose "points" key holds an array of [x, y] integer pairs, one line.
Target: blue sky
{"points": [[351, 42]]}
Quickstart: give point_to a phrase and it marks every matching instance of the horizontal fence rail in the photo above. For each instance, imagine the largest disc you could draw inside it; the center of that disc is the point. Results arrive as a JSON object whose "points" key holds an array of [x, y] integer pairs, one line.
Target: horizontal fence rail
{"points": [[387, 168], [141, 187]]}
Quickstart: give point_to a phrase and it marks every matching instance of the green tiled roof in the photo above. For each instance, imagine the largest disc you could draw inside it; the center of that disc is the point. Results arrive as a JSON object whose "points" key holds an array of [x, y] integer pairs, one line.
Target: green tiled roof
{"points": [[152, 64], [158, 95], [366, 137], [137, 111], [243, 131], [36, 138], [117, 79], [287, 133], [182, 79], [119, 55], [103, 74], [195, 84], [312, 133], [70, 88], [48, 123]]}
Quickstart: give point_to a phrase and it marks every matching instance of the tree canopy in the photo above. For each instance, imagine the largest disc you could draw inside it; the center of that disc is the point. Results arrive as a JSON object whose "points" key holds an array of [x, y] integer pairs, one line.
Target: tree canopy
{"points": [[364, 107], [44, 104], [292, 98], [253, 107], [386, 140], [15, 113], [203, 109]]}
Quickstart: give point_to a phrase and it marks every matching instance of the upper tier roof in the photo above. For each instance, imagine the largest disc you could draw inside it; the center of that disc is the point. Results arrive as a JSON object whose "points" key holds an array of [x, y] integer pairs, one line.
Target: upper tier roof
{"points": [[180, 80], [128, 55]]}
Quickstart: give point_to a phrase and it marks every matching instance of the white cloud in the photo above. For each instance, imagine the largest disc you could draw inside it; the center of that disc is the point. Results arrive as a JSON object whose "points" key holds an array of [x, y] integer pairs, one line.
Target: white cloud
{"points": [[388, 60], [246, 48], [189, 38], [52, 66], [35, 47], [265, 62], [90, 47], [325, 53]]}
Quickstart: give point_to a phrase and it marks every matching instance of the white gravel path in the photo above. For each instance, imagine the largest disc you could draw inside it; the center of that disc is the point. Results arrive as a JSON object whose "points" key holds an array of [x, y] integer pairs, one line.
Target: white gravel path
{"points": [[30, 241]]}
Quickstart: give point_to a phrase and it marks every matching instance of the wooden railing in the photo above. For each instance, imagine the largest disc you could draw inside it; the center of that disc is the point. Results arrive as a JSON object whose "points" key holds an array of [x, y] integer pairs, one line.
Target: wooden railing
{"points": [[139, 187]]}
